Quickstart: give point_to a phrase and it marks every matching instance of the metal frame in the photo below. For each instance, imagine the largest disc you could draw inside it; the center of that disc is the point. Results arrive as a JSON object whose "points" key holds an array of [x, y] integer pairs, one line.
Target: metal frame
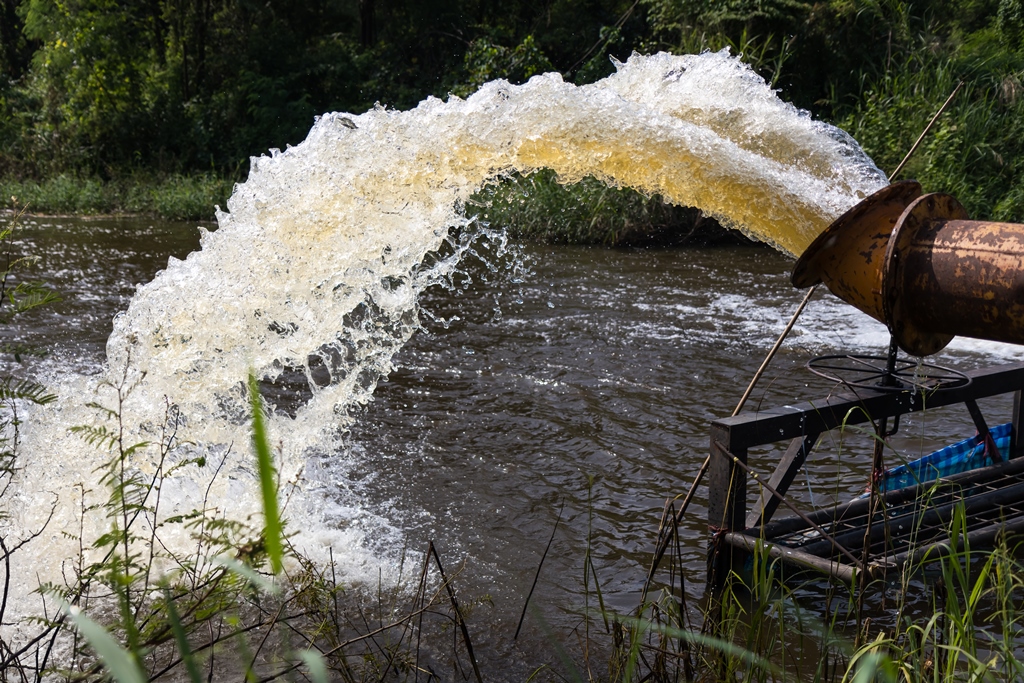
{"points": [[803, 424]]}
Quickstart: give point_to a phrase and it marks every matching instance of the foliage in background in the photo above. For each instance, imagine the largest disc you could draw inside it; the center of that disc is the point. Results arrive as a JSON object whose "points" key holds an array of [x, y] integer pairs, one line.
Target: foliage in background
{"points": [[98, 88], [976, 150], [485, 61], [174, 197], [538, 208], [96, 91]]}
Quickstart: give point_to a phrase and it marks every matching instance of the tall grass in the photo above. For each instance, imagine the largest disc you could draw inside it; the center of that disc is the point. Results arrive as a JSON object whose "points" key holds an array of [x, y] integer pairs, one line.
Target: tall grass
{"points": [[173, 197], [976, 150], [538, 208]]}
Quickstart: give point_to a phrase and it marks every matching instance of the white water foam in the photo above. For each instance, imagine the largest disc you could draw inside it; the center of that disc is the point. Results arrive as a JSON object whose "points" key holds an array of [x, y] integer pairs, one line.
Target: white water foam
{"points": [[318, 261]]}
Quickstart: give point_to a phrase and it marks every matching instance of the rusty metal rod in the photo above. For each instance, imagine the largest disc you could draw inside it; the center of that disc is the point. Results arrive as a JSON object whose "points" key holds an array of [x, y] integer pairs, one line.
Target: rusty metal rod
{"points": [[663, 542], [785, 501], [843, 572], [775, 349], [926, 129]]}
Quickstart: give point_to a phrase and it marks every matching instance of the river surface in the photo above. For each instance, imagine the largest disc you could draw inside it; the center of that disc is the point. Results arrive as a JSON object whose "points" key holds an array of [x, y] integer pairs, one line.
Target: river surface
{"points": [[587, 383]]}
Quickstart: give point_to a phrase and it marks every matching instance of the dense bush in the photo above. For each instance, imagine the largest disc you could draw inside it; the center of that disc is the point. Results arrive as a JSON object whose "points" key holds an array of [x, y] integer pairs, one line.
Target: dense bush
{"points": [[539, 209], [108, 91], [173, 196]]}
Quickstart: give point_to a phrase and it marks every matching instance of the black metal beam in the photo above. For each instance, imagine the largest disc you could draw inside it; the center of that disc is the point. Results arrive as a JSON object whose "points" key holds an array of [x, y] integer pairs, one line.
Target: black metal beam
{"points": [[781, 478], [1016, 434], [727, 504], [788, 422], [803, 423]]}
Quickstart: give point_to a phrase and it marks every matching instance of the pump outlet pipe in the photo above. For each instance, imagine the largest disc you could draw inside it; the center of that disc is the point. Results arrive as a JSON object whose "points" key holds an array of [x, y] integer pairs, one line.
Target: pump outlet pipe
{"points": [[917, 264]]}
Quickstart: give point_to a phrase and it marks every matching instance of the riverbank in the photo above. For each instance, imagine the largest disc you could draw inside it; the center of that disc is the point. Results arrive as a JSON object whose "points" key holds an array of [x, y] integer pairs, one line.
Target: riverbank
{"points": [[171, 197], [535, 208]]}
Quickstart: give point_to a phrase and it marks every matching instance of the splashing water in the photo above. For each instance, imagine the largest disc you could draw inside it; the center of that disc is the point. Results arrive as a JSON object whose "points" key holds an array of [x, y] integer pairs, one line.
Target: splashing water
{"points": [[318, 262]]}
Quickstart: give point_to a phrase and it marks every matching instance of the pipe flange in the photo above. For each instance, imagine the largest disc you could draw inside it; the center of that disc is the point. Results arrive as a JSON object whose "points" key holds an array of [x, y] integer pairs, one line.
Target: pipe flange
{"points": [[898, 312], [873, 214], [848, 255]]}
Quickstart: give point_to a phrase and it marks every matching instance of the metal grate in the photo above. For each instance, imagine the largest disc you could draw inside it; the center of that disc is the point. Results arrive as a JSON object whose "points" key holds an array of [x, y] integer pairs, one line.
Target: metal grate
{"points": [[913, 522]]}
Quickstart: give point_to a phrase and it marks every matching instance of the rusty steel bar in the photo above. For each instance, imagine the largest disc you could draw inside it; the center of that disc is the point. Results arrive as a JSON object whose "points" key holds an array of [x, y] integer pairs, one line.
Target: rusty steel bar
{"points": [[848, 257], [845, 573], [917, 264]]}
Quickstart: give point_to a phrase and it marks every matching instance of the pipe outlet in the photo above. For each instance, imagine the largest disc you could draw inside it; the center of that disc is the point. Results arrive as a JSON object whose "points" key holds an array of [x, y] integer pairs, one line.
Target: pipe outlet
{"points": [[918, 265]]}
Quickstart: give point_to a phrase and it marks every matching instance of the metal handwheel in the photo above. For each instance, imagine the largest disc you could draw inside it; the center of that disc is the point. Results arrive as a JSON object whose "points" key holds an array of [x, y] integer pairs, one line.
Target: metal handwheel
{"points": [[886, 374]]}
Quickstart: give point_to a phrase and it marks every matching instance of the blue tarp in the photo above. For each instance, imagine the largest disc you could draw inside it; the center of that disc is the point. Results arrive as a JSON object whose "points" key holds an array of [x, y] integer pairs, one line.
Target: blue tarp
{"points": [[962, 456]]}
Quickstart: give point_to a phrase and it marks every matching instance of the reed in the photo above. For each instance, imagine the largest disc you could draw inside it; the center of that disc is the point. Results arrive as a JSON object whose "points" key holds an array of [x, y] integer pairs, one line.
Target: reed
{"points": [[533, 208], [171, 197], [538, 208]]}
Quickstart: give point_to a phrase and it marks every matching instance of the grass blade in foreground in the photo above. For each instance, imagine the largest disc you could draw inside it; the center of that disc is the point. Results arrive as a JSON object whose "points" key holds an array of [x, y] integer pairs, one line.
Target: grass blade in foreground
{"points": [[272, 531], [181, 638], [118, 661]]}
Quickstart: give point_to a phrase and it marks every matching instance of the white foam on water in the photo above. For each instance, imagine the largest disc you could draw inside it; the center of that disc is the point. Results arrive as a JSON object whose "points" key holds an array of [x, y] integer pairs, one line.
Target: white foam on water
{"points": [[321, 254]]}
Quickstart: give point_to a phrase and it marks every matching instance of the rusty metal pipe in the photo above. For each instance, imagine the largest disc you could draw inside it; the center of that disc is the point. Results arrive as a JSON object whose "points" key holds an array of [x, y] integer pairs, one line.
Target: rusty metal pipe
{"points": [[918, 265]]}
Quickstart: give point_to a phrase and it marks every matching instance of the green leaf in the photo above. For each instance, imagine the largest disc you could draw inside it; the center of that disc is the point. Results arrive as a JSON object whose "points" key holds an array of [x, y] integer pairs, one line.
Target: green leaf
{"points": [[272, 530], [181, 638], [25, 390], [99, 437], [314, 665], [118, 661]]}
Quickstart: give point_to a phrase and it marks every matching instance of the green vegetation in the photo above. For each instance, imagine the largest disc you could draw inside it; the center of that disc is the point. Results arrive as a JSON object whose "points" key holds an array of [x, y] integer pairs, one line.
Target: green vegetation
{"points": [[538, 208], [96, 88], [116, 107], [174, 197]]}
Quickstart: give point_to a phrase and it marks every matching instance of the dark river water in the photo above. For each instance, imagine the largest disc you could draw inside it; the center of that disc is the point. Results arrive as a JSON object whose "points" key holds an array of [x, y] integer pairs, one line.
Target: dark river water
{"points": [[588, 388]]}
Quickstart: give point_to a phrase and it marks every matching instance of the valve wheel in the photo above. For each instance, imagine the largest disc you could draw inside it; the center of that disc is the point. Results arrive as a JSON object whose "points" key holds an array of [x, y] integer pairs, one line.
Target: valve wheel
{"points": [[872, 372]]}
